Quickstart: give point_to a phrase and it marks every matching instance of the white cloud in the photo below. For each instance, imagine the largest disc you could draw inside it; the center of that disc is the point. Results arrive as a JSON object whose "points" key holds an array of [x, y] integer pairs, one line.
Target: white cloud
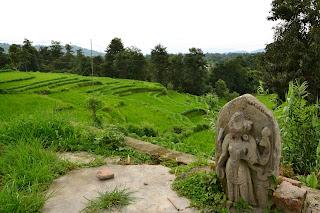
{"points": [[177, 24]]}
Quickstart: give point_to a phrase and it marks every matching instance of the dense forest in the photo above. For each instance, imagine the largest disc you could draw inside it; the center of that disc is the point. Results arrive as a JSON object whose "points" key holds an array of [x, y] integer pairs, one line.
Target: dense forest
{"points": [[194, 72]]}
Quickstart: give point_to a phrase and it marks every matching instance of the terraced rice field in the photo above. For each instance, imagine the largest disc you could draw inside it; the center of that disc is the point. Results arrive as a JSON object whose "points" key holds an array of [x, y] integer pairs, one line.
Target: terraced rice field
{"points": [[177, 118]]}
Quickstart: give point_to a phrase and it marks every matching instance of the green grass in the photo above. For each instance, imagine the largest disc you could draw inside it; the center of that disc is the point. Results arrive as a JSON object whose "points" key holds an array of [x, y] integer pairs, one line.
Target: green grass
{"points": [[202, 188], [26, 170], [110, 200], [125, 103]]}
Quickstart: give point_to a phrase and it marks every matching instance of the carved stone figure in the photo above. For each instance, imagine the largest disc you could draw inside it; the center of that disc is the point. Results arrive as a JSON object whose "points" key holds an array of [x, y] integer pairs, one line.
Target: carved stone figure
{"points": [[247, 150]]}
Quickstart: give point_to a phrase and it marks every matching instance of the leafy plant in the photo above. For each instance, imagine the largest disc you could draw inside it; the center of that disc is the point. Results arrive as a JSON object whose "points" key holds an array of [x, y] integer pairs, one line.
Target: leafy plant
{"points": [[300, 130], [242, 206], [94, 105], [202, 188], [261, 89], [310, 180]]}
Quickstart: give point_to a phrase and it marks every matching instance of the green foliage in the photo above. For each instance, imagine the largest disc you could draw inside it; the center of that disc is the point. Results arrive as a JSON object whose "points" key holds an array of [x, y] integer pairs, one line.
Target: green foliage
{"points": [[221, 88], [144, 130], [261, 89], [195, 72], [94, 105], [242, 206], [110, 201], [26, 170], [310, 180], [112, 139], [300, 130], [238, 76], [203, 189], [160, 62], [129, 63], [295, 50]]}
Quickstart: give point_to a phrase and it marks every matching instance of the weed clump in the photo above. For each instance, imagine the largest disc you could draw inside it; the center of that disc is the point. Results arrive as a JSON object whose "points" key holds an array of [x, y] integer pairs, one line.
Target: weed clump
{"points": [[109, 200], [93, 105], [145, 130], [202, 188]]}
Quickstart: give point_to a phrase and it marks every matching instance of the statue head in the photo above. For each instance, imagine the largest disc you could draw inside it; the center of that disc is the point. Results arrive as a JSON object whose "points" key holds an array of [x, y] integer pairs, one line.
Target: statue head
{"points": [[238, 125]]}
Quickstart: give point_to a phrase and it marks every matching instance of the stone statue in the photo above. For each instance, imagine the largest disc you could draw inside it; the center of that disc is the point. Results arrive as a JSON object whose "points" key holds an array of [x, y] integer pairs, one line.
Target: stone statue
{"points": [[247, 150]]}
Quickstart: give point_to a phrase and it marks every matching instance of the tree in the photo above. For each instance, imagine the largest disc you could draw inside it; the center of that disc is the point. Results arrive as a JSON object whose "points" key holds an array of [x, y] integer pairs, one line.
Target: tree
{"points": [[82, 65], [130, 63], [45, 59], [295, 52], [195, 72], [236, 74], [3, 58], [56, 54], [221, 88], [176, 71], [114, 48], [68, 58], [29, 56], [160, 61], [15, 56]]}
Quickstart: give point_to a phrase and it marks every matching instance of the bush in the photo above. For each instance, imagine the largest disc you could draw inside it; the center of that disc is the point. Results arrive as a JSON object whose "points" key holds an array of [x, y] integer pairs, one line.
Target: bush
{"points": [[94, 105], [111, 139], [201, 127], [145, 130], [300, 130], [203, 189], [221, 88]]}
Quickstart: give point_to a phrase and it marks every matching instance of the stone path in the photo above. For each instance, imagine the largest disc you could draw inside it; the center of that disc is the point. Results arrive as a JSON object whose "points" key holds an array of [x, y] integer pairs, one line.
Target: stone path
{"points": [[159, 151], [150, 184]]}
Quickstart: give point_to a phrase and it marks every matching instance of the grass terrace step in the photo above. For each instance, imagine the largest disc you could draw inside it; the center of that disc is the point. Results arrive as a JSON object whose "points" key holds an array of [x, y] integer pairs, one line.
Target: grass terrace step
{"points": [[17, 79], [138, 90], [47, 84], [69, 82], [37, 83]]}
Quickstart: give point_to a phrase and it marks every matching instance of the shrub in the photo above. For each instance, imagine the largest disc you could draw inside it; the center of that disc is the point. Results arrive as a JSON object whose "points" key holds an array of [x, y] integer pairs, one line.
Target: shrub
{"points": [[145, 130], [221, 88], [212, 101], [300, 130], [203, 189], [94, 105], [111, 139], [261, 89], [200, 127]]}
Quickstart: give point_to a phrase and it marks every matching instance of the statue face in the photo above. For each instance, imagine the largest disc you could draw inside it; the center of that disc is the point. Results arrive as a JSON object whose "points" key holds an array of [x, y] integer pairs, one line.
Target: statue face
{"points": [[236, 123]]}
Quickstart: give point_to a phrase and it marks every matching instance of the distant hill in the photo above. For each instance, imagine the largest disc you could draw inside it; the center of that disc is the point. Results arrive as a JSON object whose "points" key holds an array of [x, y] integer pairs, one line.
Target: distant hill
{"points": [[85, 51]]}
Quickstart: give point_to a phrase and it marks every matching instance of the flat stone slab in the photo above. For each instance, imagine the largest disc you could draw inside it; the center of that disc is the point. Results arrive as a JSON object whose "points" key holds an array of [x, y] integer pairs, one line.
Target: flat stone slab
{"points": [[159, 151], [150, 184], [77, 157]]}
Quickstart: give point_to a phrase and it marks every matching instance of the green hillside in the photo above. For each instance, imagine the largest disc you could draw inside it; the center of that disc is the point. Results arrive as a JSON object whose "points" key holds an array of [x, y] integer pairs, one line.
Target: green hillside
{"points": [[177, 121]]}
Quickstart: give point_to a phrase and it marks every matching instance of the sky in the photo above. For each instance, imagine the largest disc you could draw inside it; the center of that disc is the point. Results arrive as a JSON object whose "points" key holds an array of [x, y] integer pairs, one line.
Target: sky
{"points": [[212, 25]]}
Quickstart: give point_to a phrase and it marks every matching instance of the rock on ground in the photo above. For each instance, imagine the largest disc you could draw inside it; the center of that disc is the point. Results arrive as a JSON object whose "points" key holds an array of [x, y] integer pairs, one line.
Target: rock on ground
{"points": [[150, 184], [289, 198]]}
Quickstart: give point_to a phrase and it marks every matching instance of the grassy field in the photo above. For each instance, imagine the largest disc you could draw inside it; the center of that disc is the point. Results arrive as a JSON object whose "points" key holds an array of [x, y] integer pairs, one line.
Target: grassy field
{"points": [[179, 120], [42, 113]]}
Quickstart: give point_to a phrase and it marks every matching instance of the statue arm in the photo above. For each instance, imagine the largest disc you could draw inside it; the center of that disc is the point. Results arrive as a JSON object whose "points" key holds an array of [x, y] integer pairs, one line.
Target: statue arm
{"points": [[265, 143], [223, 158]]}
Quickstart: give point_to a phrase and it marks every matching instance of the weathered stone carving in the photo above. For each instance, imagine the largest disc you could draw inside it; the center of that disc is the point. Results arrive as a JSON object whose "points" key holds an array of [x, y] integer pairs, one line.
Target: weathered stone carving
{"points": [[247, 150]]}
